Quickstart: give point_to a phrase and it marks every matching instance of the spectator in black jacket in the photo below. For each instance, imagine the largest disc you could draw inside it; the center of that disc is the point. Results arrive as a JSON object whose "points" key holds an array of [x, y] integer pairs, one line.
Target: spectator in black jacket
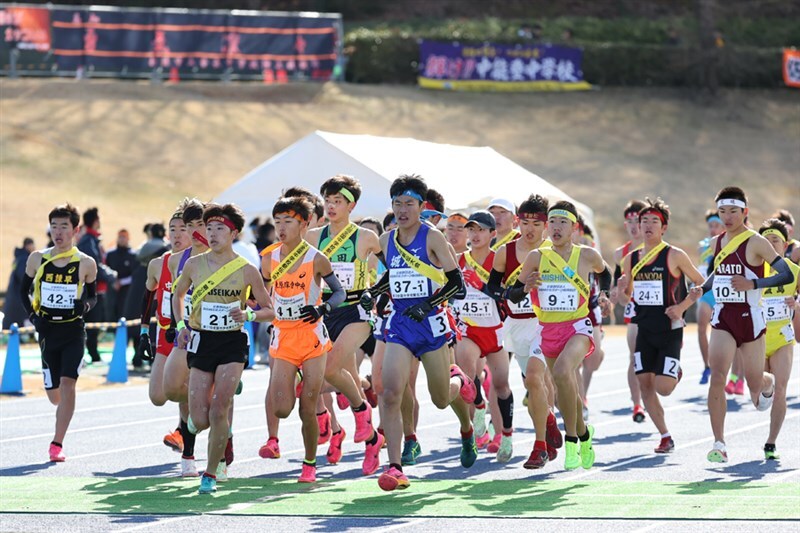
{"points": [[13, 312], [122, 260]]}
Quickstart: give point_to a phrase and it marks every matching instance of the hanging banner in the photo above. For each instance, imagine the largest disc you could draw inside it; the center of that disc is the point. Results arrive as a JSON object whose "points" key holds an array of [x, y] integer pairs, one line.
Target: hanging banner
{"points": [[26, 28], [500, 67], [791, 67]]}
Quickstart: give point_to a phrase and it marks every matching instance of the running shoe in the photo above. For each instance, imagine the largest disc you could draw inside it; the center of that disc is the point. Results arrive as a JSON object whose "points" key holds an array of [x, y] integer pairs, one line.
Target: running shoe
{"points": [[335, 447], [298, 383], [506, 449], [411, 450], [239, 388], [469, 453], [174, 440], [372, 396], [363, 424], [372, 456], [764, 401], [57, 454], [324, 423], [638, 414], [718, 454], [587, 451], [572, 459], [553, 436], [730, 387], [739, 388], [308, 474], [770, 453], [188, 467], [393, 479], [494, 445], [585, 413], [222, 472], [229, 451], [705, 376], [207, 485], [552, 453], [665, 446], [468, 391], [342, 402], [487, 381], [536, 460], [270, 450], [479, 421], [483, 440], [525, 399]]}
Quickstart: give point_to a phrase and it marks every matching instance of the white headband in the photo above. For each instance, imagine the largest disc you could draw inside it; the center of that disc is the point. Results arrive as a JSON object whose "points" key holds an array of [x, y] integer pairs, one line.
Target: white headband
{"points": [[731, 202]]}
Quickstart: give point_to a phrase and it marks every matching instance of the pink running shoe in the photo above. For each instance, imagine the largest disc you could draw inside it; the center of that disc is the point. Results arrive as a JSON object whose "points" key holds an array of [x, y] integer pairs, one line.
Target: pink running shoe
{"points": [[335, 447], [342, 401], [494, 446], [739, 388], [487, 380], [324, 423], [372, 457], [554, 437], [468, 391], [393, 479], [730, 387], [363, 424], [57, 454], [482, 441], [270, 450], [308, 475]]}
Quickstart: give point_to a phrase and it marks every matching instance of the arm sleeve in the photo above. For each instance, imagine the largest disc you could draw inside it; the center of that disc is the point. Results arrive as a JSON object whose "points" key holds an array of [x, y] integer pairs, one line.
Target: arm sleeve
{"points": [[708, 283], [782, 276], [24, 293], [381, 287], [604, 279], [494, 287], [454, 284], [337, 291], [516, 293], [617, 273], [90, 291], [462, 292], [147, 306], [381, 258]]}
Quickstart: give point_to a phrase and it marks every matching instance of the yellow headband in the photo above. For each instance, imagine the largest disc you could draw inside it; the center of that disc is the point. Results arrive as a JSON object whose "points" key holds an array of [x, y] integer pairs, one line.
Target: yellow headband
{"points": [[772, 231], [562, 213]]}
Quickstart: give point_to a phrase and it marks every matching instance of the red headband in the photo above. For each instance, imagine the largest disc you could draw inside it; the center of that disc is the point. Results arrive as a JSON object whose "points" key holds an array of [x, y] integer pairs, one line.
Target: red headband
{"points": [[653, 211], [199, 237], [292, 213], [223, 220], [536, 217]]}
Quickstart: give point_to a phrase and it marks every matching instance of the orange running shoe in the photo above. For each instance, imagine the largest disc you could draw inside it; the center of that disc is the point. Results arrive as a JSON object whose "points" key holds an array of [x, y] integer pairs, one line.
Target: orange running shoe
{"points": [[174, 440]]}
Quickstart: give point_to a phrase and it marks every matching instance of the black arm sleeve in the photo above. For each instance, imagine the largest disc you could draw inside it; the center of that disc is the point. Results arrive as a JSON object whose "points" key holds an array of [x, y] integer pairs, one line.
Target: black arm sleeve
{"points": [[90, 291], [25, 293], [604, 280], [147, 306], [516, 293], [708, 283], [454, 284], [381, 257], [617, 273], [494, 287], [462, 292], [381, 287], [782, 276]]}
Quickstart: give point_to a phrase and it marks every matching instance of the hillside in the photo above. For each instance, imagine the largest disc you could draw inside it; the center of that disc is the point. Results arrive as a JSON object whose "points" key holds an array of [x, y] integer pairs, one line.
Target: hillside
{"points": [[134, 150]]}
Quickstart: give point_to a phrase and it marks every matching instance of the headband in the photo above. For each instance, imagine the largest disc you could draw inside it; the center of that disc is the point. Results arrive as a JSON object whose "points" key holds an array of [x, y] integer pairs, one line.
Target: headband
{"points": [[731, 202], [562, 213], [632, 215], [292, 213], [773, 231], [412, 194], [714, 218], [199, 237], [176, 214], [536, 217], [223, 220], [653, 211], [347, 194], [459, 218]]}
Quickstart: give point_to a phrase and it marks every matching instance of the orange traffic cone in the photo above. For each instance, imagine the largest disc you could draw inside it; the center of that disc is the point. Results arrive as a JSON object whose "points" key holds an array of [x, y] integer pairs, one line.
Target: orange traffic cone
{"points": [[282, 78], [269, 77], [174, 75]]}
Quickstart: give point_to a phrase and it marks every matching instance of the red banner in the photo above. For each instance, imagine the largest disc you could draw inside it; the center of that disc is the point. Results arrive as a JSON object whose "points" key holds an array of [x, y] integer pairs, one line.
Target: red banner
{"points": [[791, 67], [26, 27]]}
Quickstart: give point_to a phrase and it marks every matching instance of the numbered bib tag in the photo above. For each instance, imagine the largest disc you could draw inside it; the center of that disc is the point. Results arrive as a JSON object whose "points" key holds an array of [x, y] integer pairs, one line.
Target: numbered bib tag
{"points": [[523, 307], [345, 273], [166, 305], [648, 292], [408, 283], [194, 341], [216, 316], [558, 297], [630, 310], [775, 309], [187, 304], [439, 323], [288, 308], [59, 295], [724, 291], [477, 305]]}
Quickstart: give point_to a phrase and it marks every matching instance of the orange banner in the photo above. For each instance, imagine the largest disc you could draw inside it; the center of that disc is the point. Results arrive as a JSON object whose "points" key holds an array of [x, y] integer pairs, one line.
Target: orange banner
{"points": [[27, 27], [791, 67]]}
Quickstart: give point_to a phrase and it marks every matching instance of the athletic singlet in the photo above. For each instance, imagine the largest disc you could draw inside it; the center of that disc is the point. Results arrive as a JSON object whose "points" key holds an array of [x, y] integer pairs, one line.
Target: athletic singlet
{"points": [[794, 243], [352, 272], [187, 300], [497, 242], [776, 312], [478, 309], [213, 311], [59, 288], [735, 264], [626, 249], [556, 299], [655, 289], [163, 300], [524, 309], [706, 254], [294, 290], [408, 287]]}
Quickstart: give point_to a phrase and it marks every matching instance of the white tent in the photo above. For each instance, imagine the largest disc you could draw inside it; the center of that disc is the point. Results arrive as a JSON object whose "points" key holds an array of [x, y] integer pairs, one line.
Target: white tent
{"points": [[466, 176]]}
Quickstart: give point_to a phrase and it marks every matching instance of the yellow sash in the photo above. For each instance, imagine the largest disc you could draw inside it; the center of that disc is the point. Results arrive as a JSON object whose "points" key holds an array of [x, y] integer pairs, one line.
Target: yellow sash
{"points": [[290, 260], [338, 241], [705, 256], [514, 276], [647, 258], [572, 276], [216, 278], [731, 247], [477, 267], [37, 286], [508, 237], [429, 271]]}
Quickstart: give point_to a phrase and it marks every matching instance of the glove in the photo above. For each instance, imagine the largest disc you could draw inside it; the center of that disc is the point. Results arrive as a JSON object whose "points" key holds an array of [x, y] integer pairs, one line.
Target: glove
{"points": [[312, 313], [418, 312], [472, 279], [144, 350], [169, 335], [367, 301], [80, 306], [37, 321]]}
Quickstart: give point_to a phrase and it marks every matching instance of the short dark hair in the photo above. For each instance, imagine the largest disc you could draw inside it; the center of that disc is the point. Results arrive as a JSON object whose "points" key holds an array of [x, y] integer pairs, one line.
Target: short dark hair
{"points": [[534, 203], [784, 216], [388, 219], [65, 211], [316, 201], [711, 213], [299, 204], [338, 182], [372, 220], [436, 199], [776, 224], [90, 216], [734, 193], [633, 207], [192, 209], [230, 211], [157, 230], [658, 206], [409, 182], [566, 206]]}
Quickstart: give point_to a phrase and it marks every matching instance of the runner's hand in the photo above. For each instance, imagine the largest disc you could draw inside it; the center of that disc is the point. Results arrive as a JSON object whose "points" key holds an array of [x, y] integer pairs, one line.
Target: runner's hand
{"points": [[144, 350], [741, 283], [673, 312], [418, 312], [312, 313], [533, 281], [622, 284], [182, 339], [169, 335], [367, 301], [472, 279]]}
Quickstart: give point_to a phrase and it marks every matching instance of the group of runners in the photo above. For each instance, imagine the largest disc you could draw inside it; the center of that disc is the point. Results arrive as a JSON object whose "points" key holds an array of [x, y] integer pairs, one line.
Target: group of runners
{"points": [[520, 282]]}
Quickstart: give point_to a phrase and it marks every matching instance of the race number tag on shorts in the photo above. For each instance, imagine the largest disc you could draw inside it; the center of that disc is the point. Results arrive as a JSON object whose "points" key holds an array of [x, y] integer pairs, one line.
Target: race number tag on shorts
{"points": [[439, 323], [166, 305], [521, 308], [345, 273], [724, 291], [288, 308], [775, 309], [217, 317], [630, 310], [558, 297], [671, 367], [194, 341], [187, 304], [407, 283], [648, 292], [637, 362], [477, 305], [59, 295]]}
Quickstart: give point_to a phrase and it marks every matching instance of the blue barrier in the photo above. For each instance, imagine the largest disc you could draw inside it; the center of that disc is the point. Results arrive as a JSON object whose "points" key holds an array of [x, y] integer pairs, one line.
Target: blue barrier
{"points": [[118, 369]]}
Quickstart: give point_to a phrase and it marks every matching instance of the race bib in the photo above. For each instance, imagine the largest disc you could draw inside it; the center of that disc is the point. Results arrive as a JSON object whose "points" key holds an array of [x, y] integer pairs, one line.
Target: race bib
{"points": [[216, 316], [439, 323], [523, 307], [166, 305], [408, 283], [187, 304], [59, 295], [477, 305], [775, 309], [288, 308], [194, 341], [558, 297], [724, 291], [648, 292], [345, 273], [630, 310]]}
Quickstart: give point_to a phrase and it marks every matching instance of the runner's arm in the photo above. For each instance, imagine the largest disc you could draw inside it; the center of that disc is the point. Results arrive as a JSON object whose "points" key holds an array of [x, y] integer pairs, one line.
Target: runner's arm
{"points": [[782, 276], [265, 313]]}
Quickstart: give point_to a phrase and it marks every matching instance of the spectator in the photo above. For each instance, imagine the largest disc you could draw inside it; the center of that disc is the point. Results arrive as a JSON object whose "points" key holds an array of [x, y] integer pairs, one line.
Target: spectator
{"points": [[89, 244], [567, 36], [13, 312], [123, 261], [265, 235], [537, 33], [525, 32]]}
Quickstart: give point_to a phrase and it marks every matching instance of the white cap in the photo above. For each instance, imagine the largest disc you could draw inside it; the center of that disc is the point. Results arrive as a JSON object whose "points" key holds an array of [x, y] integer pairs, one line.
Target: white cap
{"points": [[505, 204]]}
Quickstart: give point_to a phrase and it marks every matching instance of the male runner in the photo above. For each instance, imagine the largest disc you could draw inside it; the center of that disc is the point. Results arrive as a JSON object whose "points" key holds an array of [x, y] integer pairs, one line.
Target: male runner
{"points": [[505, 217], [422, 275], [64, 290], [558, 276], [217, 348], [740, 255], [792, 252], [456, 232], [706, 304], [658, 272]]}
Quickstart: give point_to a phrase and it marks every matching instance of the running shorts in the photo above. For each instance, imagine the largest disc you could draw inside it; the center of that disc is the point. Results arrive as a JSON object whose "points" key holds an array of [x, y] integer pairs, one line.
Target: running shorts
{"points": [[744, 323], [211, 349], [555, 335], [779, 336], [62, 346], [341, 317], [658, 353], [419, 337], [296, 345]]}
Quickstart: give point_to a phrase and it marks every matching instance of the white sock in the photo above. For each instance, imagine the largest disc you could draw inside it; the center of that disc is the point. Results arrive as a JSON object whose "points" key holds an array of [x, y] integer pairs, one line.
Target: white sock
{"points": [[665, 435]]}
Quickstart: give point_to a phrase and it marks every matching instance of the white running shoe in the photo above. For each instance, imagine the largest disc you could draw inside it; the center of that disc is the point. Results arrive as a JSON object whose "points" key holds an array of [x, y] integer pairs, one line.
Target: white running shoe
{"points": [[479, 422], [764, 401], [222, 472], [718, 454], [188, 468]]}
